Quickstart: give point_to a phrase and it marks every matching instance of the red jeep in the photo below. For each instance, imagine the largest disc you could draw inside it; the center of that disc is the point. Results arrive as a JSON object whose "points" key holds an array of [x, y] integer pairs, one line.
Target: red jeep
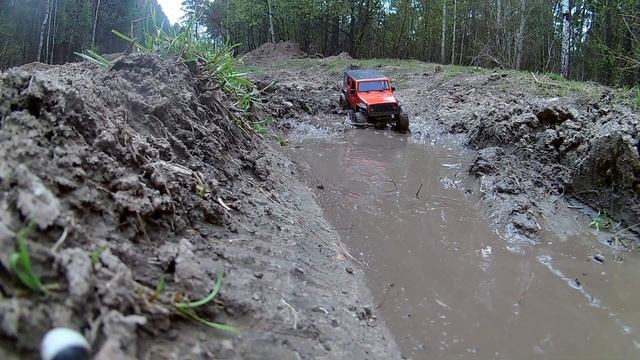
{"points": [[370, 95]]}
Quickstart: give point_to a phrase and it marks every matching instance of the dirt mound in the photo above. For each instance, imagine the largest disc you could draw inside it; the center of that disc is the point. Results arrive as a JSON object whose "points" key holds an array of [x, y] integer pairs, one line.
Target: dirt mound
{"points": [[270, 53], [533, 148], [342, 56], [136, 177]]}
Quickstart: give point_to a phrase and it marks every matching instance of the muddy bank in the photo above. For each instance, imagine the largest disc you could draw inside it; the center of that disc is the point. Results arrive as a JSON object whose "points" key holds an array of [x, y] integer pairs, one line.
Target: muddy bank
{"points": [[535, 141], [532, 148], [136, 177]]}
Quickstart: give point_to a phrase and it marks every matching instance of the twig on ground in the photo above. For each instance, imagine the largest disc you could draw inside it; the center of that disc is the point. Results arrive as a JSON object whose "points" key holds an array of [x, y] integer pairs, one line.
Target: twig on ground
{"points": [[558, 198], [238, 222], [384, 295], [419, 189], [394, 183], [540, 82], [224, 205], [346, 253], [293, 312], [60, 241]]}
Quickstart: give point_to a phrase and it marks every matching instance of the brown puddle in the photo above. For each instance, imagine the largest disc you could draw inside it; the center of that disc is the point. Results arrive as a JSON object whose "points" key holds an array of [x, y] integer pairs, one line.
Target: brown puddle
{"points": [[458, 291]]}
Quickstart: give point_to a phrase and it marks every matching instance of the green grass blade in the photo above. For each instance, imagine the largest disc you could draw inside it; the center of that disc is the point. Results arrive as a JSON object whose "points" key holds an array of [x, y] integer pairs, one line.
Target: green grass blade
{"points": [[218, 326], [95, 61], [20, 262], [129, 40], [206, 300]]}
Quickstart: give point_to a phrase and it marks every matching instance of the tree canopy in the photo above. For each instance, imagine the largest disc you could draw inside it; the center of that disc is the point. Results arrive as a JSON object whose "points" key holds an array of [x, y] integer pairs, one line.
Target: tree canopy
{"points": [[582, 39], [51, 31], [601, 37]]}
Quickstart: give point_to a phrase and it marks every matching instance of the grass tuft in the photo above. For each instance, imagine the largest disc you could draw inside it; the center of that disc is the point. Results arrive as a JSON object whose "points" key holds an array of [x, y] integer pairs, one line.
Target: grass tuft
{"points": [[601, 221], [187, 309], [95, 58], [20, 262]]}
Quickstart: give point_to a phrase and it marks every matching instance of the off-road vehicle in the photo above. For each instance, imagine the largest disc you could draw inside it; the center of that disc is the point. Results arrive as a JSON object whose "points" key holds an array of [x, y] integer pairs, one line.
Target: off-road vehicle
{"points": [[369, 94]]}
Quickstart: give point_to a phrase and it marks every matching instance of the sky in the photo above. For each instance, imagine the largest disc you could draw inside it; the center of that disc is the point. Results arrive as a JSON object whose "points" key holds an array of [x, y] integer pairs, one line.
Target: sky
{"points": [[172, 8]]}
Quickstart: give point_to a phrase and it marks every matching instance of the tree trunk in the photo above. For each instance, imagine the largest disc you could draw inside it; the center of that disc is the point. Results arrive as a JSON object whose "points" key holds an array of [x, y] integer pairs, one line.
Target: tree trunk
{"points": [[43, 28], [95, 23], [444, 31], [498, 22], [271, 32], [565, 57], [56, 25], [520, 34], [46, 53], [453, 34]]}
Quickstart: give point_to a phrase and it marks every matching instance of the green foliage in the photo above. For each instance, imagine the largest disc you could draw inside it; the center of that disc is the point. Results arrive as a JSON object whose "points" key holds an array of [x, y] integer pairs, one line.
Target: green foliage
{"points": [[601, 221], [636, 98], [202, 191], [160, 287], [188, 309], [95, 255], [20, 262], [95, 58], [261, 127], [213, 61]]}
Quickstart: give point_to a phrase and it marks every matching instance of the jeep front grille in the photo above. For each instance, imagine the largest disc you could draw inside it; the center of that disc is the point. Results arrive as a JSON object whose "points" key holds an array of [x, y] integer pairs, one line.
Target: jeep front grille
{"points": [[384, 108]]}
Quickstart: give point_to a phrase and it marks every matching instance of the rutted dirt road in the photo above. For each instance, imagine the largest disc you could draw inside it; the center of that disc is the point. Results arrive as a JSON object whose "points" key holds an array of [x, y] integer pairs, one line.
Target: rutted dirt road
{"points": [[494, 258]]}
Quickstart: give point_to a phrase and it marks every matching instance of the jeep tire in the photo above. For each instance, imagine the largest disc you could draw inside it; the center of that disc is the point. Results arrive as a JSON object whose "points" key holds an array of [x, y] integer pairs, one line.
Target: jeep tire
{"points": [[402, 124], [358, 119], [344, 105]]}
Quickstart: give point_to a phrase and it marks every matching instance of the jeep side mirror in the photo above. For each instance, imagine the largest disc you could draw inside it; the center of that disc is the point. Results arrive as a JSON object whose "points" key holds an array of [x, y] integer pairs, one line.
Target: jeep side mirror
{"points": [[393, 88]]}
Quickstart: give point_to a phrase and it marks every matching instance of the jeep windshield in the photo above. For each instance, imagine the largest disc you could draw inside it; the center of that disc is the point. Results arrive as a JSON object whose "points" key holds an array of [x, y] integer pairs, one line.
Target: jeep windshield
{"points": [[377, 85]]}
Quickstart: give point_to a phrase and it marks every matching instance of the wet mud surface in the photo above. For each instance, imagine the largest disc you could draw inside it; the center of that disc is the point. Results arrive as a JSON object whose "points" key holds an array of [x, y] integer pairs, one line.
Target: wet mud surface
{"points": [[446, 282], [495, 257], [141, 190]]}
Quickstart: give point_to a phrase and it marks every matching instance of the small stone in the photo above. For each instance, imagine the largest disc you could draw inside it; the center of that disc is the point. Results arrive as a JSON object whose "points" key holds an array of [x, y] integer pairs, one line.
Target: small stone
{"points": [[334, 323], [320, 186], [349, 270], [299, 270], [258, 275], [599, 258]]}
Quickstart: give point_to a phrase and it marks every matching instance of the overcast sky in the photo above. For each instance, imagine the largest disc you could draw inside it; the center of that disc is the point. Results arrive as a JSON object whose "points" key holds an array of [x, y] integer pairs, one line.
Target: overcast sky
{"points": [[172, 9]]}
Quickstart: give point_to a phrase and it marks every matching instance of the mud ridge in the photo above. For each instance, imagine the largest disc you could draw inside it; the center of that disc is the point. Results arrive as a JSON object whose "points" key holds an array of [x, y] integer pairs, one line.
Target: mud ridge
{"points": [[138, 174]]}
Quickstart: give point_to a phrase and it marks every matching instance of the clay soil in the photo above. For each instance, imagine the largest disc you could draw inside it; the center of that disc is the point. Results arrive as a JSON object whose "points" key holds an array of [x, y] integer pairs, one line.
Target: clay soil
{"points": [[139, 190]]}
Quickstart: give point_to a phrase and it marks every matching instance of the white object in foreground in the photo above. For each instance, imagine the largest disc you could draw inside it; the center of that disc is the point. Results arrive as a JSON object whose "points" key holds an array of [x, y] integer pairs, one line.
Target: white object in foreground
{"points": [[64, 344]]}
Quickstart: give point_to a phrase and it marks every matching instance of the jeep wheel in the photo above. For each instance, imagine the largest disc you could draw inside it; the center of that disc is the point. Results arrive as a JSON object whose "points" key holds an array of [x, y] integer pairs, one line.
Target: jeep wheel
{"points": [[358, 119], [344, 105], [402, 125]]}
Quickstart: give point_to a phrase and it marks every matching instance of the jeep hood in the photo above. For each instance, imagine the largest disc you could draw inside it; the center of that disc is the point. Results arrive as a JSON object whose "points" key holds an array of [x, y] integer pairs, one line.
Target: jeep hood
{"points": [[378, 97]]}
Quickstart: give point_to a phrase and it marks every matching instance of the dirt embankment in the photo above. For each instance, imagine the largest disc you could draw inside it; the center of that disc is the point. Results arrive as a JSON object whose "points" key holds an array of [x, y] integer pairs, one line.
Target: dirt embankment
{"points": [[270, 53], [137, 176], [533, 148], [534, 141]]}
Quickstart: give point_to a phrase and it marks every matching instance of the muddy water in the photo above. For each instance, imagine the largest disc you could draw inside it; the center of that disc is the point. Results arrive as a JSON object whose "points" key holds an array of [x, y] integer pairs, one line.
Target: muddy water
{"points": [[445, 281]]}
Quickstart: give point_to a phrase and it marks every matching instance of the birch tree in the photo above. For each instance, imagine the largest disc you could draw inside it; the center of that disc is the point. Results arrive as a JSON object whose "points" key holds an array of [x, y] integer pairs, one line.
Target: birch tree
{"points": [[524, 12], [444, 32], [271, 32], [565, 56], [95, 23], [453, 33], [43, 28]]}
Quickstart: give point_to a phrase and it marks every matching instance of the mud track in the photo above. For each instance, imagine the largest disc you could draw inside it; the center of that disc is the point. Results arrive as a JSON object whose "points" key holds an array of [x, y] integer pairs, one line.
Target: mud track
{"points": [[533, 142], [494, 256], [136, 174]]}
